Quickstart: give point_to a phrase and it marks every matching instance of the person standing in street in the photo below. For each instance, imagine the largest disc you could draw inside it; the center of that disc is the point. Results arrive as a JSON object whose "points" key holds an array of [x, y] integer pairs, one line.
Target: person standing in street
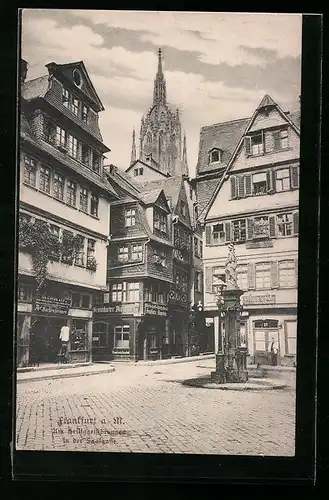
{"points": [[273, 352], [64, 337]]}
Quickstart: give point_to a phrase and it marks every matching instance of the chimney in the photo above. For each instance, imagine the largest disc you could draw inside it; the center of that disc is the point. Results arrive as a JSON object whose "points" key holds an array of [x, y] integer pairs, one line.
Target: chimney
{"points": [[23, 71]]}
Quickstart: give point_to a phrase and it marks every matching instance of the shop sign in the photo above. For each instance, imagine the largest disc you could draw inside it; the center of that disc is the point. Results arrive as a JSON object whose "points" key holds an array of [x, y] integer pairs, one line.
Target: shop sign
{"points": [[259, 244], [51, 305], [258, 299], [155, 309], [108, 308]]}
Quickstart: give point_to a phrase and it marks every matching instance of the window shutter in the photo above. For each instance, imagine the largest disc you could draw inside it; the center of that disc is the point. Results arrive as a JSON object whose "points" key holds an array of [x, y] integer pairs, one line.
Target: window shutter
{"points": [[248, 185], [227, 231], [269, 181], [241, 186], [250, 229], [271, 221], [274, 275], [269, 142], [251, 276], [276, 138], [247, 145], [234, 193], [295, 222], [208, 279], [273, 180], [294, 176], [208, 235]]}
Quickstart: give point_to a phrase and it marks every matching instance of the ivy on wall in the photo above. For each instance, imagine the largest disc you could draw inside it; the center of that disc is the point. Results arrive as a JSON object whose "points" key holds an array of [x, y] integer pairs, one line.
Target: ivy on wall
{"points": [[36, 239]]}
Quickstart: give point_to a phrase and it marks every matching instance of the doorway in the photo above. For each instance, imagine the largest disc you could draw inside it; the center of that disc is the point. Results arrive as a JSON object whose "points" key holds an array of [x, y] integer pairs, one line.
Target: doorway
{"points": [[45, 343]]}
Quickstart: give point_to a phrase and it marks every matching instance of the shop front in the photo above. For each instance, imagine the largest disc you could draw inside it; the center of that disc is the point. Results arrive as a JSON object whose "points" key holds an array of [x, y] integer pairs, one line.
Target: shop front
{"points": [[40, 339], [179, 340], [153, 332]]}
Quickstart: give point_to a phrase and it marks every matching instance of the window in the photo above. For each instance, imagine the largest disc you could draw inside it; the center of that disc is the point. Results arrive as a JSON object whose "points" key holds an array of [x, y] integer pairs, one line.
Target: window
{"points": [[45, 179], [160, 257], [98, 299], [291, 336], [239, 230], [73, 146], [58, 186], [283, 139], [60, 137], [183, 208], [116, 292], [71, 193], [30, 171], [75, 300], [123, 255], [214, 156], [75, 106], [255, 144], [90, 251], [96, 162], [121, 336], [84, 199], [218, 234], [79, 255], [65, 97], [100, 334], [287, 274], [136, 252], [160, 222], [133, 292], [261, 227], [78, 340], [242, 277], [284, 224], [55, 230], [85, 301], [130, 217], [94, 205], [196, 247], [263, 275], [67, 258], [260, 344], [282, 179], [84, 114], [138, 171], [24, 293], [85, 154], [197, 281], [181, 280], [259, 183], [201, 249], [80, 301]]}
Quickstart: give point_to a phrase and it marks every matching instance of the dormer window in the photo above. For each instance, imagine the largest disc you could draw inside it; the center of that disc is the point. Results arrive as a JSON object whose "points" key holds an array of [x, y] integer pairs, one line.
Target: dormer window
{"points": [[75, 106], [215, 155]]}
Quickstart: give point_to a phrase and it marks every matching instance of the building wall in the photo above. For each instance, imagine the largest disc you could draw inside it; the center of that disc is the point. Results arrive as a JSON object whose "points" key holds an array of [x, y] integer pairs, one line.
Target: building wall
{"points": [[147, 176]]}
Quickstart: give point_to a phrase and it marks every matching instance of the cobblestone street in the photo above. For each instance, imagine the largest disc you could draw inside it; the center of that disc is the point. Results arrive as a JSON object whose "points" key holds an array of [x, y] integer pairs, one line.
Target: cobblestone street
{"points": [[147, 409]]}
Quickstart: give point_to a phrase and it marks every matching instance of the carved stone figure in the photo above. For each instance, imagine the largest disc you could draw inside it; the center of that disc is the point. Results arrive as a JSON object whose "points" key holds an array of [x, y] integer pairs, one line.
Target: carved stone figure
{"points": [[230, 266]]}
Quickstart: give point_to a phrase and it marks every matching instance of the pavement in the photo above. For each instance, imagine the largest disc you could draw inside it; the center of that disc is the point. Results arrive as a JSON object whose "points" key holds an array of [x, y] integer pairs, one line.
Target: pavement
{"points": [[147, 409]]}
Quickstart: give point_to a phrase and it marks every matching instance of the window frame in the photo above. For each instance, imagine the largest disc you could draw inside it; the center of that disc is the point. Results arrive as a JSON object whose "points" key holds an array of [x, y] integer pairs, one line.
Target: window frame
{"points": [[58, 186], [30, 167], [287, 169], [45, 179], [293, 283], [94, 205], [130, 216], [241, 222], [71, 188], [267, 269], [284, 224], [84, 195]]}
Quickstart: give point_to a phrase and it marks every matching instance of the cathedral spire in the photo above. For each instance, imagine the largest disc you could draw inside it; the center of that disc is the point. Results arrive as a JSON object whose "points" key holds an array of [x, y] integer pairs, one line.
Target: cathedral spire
{"points": [[159, 94], [184, 159], [133, 149]]}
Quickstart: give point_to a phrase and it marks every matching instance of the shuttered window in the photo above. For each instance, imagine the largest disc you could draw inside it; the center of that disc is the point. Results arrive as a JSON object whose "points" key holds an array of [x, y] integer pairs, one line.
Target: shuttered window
{"points": [[274, 275], [263, 275], [295, 217], [287, 274], [251, 276], [208, 279], [234, 190], [241, 186], [294, 176]]}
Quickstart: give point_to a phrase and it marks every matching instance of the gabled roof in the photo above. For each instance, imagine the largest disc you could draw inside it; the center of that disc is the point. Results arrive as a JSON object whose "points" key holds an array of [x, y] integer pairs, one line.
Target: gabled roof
{"points": [[287, 117], [170, 185], [266, 101], [37, 87], [146, 165], [124, 181], [224, 136]]}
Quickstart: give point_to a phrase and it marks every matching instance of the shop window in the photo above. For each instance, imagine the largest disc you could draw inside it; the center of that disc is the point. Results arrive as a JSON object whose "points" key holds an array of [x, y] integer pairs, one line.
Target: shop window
{"points": [[282, 179], [30, 171], [287, 274], [284, 224], [44, 181], [71, 193], [263, 275], [100, 337], [130, 217], [121, 336], [58, 186], [24, 293], [84, 199], [136, 252], [78, 337]]}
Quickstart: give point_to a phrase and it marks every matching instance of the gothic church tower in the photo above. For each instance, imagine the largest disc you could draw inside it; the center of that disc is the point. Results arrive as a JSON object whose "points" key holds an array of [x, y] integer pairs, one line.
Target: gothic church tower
{"points": [[160, 142]]}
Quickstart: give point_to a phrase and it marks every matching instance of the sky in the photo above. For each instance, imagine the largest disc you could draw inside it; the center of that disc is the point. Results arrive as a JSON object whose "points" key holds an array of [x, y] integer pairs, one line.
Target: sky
{"points": [[217, 66]]}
